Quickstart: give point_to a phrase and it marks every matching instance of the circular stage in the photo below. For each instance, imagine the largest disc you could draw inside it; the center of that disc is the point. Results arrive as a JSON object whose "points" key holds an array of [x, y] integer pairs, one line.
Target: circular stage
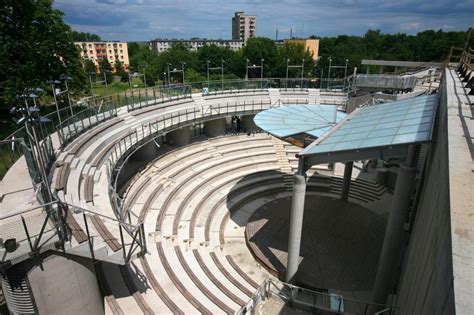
{"points": [[341, 242]]}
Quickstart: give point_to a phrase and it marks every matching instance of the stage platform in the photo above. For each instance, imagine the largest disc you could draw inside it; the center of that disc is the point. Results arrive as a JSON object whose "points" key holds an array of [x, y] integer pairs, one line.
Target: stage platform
{"points": [[340, 247]]}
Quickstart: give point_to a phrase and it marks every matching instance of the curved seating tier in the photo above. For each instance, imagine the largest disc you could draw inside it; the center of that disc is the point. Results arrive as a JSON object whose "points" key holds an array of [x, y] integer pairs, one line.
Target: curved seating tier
{"points": [[196, 202], [200, 261]]}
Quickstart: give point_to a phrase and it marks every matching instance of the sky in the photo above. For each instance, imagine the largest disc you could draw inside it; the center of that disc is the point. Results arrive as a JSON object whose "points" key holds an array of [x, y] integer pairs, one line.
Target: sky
{"points": [[143, 20]]}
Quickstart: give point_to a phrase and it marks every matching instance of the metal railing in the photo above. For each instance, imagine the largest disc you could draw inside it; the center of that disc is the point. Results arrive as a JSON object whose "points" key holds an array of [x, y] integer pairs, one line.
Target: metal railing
{"points": [[141, 98], [309, 300], [75, 125], [10, 152], [45, 227], [167, 123]]}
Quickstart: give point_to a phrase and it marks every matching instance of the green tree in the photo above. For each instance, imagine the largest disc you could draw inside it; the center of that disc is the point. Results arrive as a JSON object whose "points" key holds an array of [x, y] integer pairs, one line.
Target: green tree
{"points": [[120, 71], [106, 68], [85, 37], [259, 48], [145, 59], [36, 46], [90, 67]]}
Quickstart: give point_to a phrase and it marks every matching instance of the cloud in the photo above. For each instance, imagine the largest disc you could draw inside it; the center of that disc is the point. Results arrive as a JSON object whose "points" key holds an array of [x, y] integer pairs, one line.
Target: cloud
{"points": [[148, 19]]}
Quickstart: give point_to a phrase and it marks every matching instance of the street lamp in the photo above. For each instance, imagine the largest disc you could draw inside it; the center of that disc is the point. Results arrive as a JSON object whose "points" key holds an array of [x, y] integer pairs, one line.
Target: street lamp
{"points": [[29, 116], [329, 71], [345, 74], [182, 67], [222, 74], [208, 73], [169, 79], [302, 72], [261, 70], [247, 69], [53, 82], [287, 66]]}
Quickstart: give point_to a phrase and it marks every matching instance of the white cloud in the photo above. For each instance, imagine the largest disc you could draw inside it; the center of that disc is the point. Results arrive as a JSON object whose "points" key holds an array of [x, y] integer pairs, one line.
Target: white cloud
{"points": [[148, 19]]}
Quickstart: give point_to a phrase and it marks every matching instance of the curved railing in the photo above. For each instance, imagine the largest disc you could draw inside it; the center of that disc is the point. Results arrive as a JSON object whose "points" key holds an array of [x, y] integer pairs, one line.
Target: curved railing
{"points": [[167, 123]]}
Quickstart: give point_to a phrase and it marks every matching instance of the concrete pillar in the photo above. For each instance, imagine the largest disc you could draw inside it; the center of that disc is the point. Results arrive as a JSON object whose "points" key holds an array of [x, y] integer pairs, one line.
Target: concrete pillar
{"points": [[394, 233], [373, 163], [381, 176], [147, 152], [179, 137], [296, 226], [346, 183], [66, 284], [214, 128], [249, 124]]}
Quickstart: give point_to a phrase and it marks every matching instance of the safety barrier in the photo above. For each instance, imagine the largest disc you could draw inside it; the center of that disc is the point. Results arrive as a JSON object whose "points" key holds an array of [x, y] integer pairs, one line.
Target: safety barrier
{"points": [[308, 299]]}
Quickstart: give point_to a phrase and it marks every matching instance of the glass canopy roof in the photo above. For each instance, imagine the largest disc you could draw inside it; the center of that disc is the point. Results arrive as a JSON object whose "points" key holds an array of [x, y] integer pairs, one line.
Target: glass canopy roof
{"points": [[314, 120], [385, 125]]}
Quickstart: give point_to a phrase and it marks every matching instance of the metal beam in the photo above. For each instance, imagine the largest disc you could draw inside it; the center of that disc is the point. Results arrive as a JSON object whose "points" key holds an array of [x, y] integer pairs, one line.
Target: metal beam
{"points": [[357, 155], [397, 63]]}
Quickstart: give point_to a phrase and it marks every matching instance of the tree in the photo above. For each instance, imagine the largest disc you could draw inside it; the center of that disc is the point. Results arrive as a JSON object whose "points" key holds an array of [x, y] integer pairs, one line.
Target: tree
{"points": [[106, 68], [90, 67], [85, 37], [144, 58], [36, 46], [120, 71], [259, 48]]}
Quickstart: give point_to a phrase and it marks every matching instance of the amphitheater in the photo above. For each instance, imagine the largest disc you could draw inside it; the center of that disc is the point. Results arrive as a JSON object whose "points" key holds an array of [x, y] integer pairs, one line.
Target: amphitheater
{"points": [[176, 202]]}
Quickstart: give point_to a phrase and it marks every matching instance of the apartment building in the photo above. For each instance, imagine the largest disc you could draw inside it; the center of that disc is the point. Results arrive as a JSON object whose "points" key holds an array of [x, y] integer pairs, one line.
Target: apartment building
{"points": [[112, 51], [243, 26], [311, 45], [161, 45]]}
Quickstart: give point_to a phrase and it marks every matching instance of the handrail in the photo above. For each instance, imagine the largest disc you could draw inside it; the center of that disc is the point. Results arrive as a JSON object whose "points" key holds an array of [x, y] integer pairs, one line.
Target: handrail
{"points": [[271, 287]]}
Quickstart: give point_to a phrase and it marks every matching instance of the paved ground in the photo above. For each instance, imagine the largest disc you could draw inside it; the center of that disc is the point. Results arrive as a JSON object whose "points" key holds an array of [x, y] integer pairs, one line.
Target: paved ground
{"points": [[340, 247]]}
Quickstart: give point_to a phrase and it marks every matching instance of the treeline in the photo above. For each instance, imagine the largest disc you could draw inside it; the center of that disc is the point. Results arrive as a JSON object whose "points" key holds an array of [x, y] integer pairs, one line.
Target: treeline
{"points": [[37, 46], [424, 46], [234, 62]]}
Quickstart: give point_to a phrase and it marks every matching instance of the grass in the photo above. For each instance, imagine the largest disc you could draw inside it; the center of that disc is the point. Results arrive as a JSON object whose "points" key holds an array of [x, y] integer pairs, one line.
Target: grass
{"points": [[117, 87]]}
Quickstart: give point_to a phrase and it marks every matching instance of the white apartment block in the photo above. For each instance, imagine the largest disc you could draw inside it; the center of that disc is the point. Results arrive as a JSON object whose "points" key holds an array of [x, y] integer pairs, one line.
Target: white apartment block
{"points": [[161, 45], [112, 51], [243, 26]]}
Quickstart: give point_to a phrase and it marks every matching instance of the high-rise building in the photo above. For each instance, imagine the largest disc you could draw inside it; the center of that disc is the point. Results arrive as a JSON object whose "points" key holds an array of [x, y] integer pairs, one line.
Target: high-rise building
{"points": [[112, 51], [243, 26], [162, 45]]}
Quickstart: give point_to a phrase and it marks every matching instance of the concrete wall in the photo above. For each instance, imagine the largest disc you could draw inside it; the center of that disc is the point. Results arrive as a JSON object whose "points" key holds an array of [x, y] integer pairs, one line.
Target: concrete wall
{"points": [[426, 282], [65, 285]]}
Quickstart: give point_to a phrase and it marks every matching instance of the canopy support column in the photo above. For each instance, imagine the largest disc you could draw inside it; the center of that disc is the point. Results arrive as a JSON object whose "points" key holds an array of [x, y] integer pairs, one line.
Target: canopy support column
{"points": [[394, 233], [346, 183], [296, 221]]}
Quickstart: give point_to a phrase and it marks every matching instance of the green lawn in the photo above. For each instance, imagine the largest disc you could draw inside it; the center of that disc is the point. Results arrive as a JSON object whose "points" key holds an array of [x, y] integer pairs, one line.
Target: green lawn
{"points": [[117, 87]]}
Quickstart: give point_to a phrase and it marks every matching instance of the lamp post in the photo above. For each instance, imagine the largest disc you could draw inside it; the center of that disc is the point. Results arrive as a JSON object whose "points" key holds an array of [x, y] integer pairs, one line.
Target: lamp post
{"points": [[302, 72], [261, 70], [287, 67], [53, 82], [29, 116], [182, 67], [247, 69], [321, 83], [144, 77], [329, 71], [66, 78], [222, 74], [345, 74], [169, 79], [208, 73]]}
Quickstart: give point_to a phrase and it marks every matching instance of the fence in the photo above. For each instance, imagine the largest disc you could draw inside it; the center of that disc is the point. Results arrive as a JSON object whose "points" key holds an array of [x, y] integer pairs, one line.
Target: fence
{"points": [[308, 299], [167, 123], [47, 227], [73, 126]]}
